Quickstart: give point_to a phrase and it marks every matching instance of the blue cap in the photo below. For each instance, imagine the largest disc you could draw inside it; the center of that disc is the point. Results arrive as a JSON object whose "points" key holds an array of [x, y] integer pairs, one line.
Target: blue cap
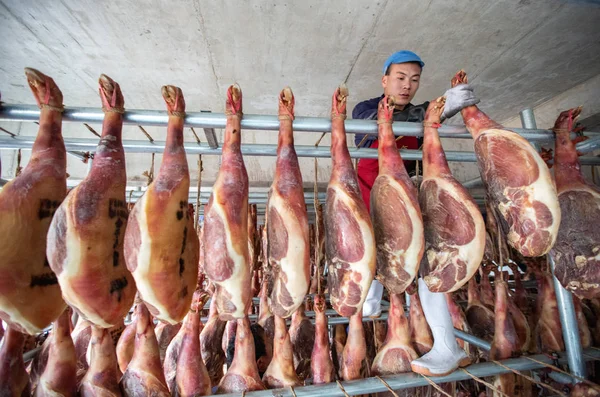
{"points": [[402, 57]]}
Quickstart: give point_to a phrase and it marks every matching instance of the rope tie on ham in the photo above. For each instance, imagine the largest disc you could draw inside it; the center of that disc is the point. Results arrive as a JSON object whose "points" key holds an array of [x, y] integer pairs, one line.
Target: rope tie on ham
{"points": [[555, 368], [59, 109], [384, 122], [288, 115], [431, 124], [335, 116], [435, 386], [529, 378], [339, 385], [177, 114], [487, 384], [386, 384], [293, 391]]}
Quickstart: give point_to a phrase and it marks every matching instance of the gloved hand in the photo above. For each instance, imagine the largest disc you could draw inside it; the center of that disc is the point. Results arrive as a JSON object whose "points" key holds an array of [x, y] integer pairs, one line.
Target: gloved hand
{"points": [[457, 98]]}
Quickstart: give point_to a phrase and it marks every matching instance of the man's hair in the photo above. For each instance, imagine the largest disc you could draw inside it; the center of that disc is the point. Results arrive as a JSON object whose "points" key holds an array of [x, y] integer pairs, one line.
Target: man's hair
{"points": [[258, 334], [387, 71]]}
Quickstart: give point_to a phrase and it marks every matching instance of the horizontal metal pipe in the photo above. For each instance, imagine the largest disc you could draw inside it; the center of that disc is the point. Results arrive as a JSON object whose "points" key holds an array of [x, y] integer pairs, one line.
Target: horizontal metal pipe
{"points": [[412, 380], [472, 339], [139, 146], [249, 121], [588, 146], [473, 183]]}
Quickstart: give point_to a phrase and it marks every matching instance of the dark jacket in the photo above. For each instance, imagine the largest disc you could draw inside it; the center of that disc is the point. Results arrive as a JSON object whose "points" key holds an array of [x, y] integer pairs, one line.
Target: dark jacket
{"points": [[367, 110]]}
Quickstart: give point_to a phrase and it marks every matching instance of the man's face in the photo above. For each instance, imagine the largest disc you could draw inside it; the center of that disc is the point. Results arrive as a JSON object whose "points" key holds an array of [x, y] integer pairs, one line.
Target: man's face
{"points": [[402, 82]]}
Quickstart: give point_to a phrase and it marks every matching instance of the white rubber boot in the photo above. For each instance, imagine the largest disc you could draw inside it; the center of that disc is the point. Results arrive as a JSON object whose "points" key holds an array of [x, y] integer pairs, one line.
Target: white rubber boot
{"points": [[372, 305], [446, 355]]}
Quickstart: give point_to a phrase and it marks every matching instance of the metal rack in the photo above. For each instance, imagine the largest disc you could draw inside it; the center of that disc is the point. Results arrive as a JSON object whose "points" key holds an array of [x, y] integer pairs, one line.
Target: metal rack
{"points": [[573, 351]]}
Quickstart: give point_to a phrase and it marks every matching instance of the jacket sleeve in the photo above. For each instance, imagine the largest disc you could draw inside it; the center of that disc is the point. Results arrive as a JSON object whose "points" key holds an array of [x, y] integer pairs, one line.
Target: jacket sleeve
{"points": [[364, 111]]}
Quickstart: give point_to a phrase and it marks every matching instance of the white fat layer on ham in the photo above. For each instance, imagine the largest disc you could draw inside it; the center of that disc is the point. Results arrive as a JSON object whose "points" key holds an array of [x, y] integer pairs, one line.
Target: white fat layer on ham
{"points": [[235, 283], [142, 273], [542, 190], [411, 255], [293, 263], [70, 269], [17, 317], [472, 252], [366, 265]]}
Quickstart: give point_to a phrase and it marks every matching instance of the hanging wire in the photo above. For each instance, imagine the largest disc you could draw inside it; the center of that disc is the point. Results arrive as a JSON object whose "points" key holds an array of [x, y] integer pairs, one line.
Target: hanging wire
{"points": [[90, 129], [196, 224], [386, 384], [146, 133], [554, 368], [317, 219], [293, 391], [8, 132], [487, 384], [529, 378], [342, 388], [150, 173], [19, 168], [435, 386]]}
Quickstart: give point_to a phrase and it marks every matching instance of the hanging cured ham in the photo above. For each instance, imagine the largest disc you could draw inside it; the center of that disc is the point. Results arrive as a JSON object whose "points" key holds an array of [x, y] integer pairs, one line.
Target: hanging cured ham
{"points": [[281, 371], [161, 245], [585, 334], [548, 331], [185, 372], [85, 239], [289, 244], [479, 316], [165, 333], [81, 335], [30, 299], [321, 365], [144, 375], [59, 377], [102, 377], [14, 380], [420, 332], [226, 221], [397, 352], [577, 250], [266, 320], [485, 287], [355, 350], [211, 336], [302, 334], [516, 179], [459, 321], [519, 321], [506, 341], [243, 373], [395, 211], [349, 239], [126, 345], [454, 227]]}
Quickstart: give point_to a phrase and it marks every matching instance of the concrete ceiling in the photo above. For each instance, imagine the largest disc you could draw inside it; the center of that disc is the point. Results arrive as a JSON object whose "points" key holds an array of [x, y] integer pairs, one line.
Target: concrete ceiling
{"points": [[517, 54]]}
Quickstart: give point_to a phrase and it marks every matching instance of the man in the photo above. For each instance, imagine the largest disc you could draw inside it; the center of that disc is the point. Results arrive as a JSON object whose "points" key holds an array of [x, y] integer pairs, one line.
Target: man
{"points": [[401, 79]]}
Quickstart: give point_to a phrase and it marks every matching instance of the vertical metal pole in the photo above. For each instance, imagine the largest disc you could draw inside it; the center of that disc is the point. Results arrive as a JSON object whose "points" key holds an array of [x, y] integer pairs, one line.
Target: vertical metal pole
{"points": [[528, 121], [570, 329], [566, 310]]}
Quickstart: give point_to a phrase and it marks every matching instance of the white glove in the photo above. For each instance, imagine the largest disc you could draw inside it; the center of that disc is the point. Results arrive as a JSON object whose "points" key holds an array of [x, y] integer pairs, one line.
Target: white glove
{"points": [[372, 305], [457, 98]]}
